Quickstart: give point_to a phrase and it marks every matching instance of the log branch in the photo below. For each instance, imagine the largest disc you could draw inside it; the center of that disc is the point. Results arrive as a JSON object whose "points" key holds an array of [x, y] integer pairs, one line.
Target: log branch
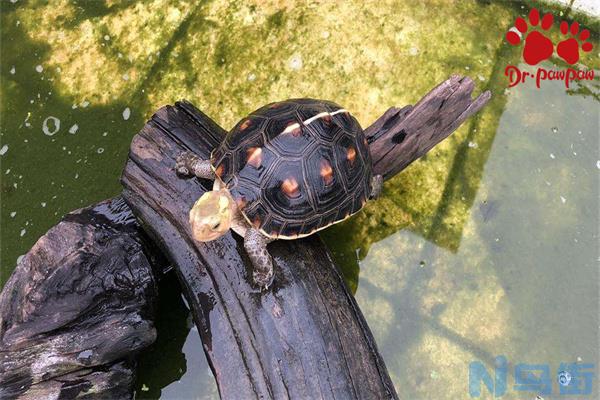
{"points": [[403, 135], [76, 308], [305, 337]]}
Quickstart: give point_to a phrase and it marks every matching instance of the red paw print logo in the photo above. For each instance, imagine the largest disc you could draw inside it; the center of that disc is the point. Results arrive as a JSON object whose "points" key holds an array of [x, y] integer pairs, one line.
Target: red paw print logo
{"points": [[568, 49], [538, 47]]}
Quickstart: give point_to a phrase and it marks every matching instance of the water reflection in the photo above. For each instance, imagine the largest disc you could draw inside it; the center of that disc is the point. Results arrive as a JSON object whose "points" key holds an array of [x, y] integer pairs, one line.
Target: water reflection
{"points": [[449, 270], [523, 282], [174, 367]]}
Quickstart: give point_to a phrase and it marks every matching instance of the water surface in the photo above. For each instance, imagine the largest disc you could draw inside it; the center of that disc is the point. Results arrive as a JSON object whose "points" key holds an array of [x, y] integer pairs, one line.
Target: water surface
{"points": [[487, 246]]}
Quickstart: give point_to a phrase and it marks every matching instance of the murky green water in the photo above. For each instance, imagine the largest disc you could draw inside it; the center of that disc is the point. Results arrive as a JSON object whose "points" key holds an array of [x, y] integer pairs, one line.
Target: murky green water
{"points": [[486, 247]]}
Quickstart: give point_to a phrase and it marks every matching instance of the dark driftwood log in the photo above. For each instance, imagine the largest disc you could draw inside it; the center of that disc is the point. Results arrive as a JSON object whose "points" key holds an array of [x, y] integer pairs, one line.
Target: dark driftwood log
{"points": [[305, 337], [403, 135], [75, 309]]}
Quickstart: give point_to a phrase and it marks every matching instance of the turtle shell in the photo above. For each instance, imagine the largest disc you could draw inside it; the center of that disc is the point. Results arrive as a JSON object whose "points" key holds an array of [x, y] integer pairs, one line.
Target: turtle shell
{"points": [[295, 167]]}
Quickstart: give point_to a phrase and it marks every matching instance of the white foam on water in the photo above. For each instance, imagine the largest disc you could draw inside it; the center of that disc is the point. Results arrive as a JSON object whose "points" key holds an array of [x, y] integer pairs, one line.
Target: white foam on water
{"points": [[46, 129]]}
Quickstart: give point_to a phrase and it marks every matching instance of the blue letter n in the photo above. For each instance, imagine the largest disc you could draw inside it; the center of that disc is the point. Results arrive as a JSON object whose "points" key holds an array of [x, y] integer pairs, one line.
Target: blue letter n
{"points": [[478, 374]]}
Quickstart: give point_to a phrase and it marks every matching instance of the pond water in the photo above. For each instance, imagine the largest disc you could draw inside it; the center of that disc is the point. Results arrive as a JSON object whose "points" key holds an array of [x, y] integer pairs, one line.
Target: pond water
{"points": [[487, 246]]}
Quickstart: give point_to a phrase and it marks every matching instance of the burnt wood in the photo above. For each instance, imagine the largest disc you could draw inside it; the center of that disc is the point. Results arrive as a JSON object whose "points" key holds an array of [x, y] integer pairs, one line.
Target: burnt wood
{"points": [[403, 135], [305, 337], [77, 307]]}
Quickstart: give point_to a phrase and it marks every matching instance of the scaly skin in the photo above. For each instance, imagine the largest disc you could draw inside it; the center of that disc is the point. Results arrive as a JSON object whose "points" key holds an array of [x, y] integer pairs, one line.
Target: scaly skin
{"points": [[190, 164], [255, 244]]}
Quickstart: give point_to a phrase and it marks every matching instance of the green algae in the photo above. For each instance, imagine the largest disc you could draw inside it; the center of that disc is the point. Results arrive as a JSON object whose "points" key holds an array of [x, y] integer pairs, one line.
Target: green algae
{"points": [[438, 269]]}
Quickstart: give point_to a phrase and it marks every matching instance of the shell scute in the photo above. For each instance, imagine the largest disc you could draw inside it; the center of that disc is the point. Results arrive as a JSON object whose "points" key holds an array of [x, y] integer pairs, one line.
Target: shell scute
{"points": [[296, 168], [346, 121], [278, 124], [323, 175], [245, 131]]}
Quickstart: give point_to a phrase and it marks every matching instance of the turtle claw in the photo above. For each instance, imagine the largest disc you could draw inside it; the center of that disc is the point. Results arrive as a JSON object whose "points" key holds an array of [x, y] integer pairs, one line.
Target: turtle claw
{"points": [[376, 187], [263, 279], [182, 171], [189, 164], [183, 163]]}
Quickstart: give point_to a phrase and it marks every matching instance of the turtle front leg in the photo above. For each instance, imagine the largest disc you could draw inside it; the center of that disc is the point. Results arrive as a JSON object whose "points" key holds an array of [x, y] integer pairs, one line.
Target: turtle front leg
{"points": [[255, 244], [376, 186], [190, 164]]}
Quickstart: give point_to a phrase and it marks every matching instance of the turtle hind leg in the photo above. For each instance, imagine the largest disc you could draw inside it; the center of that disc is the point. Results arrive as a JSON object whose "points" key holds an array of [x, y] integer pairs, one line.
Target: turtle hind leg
{"points": [[255, 244], [189, 163], [376, 186]]}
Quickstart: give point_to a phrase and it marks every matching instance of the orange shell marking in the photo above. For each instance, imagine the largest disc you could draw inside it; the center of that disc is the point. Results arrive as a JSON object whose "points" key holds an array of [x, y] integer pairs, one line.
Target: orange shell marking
{"points": [[351, 154], [326, 171], [254, 155], [245, 124], [290, 187]]}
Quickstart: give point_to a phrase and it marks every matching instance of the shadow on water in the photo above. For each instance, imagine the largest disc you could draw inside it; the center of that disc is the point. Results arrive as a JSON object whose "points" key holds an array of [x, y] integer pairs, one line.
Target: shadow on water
{"points": [[444, 226], [86, 10], [532, 216], [75, 152], [86, 163], [525, 291], [81, 135], [164, 362]]}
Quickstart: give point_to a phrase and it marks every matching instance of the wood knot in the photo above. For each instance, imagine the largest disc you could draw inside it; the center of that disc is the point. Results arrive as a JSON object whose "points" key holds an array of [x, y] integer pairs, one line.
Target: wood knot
{"points": [[399, 137]]}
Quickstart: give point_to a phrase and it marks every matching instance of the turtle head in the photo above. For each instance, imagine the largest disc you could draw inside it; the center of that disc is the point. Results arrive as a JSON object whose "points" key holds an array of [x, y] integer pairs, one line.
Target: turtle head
{"points": [[211, 215]]}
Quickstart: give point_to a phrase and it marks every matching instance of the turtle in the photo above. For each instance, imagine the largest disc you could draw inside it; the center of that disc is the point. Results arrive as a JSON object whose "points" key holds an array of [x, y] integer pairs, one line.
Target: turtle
{"points": [[285, 171]]}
